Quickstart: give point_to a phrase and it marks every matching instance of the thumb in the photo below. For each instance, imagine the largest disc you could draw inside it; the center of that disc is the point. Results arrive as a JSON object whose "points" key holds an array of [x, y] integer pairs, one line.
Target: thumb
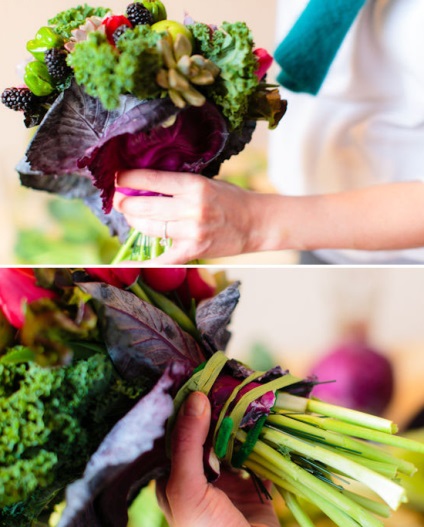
{"points": [[187, 478]]}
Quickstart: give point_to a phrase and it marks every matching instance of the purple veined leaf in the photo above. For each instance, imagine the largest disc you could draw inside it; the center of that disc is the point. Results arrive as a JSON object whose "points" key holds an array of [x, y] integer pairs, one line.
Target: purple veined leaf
{"points": [[141, 339], [214, 315], [74, 123], [130, 456]]}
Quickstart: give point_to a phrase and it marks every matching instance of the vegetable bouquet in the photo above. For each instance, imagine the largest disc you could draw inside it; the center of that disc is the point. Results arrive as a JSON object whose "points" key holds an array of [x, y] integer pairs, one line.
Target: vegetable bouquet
{"points": [[94, 365], [121, 91]]}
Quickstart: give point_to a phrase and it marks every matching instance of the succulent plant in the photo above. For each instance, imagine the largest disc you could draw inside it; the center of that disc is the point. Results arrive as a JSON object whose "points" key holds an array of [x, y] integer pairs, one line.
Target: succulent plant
{"points": [[183, 71]]}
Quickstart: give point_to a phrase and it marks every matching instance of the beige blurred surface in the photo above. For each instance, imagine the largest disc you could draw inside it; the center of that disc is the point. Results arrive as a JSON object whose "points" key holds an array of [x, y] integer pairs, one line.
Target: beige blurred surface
{"points": [[299, 313], [23, 208]]}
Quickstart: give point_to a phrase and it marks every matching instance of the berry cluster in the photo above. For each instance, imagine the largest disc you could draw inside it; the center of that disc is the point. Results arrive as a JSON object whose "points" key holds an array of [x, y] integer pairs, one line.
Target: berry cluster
{"points": [[49, 74], [139, 15], [57, 67], [18, 99]]}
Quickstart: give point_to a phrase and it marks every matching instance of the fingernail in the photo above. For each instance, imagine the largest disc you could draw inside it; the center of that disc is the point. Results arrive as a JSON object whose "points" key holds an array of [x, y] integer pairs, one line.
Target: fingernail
{"points": [[195, 405]]}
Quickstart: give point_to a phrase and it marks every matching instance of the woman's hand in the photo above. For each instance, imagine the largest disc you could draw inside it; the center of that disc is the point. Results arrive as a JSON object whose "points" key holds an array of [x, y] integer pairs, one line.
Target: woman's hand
{"points": [[188, 500], [205, 218], [209, 219]]}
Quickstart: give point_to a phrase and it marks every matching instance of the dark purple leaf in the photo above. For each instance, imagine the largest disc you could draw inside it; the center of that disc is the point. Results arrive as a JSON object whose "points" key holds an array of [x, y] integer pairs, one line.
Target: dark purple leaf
{"points": [[141, 339], [74, 123], [66, 185], [214, 315], [130, 455]]}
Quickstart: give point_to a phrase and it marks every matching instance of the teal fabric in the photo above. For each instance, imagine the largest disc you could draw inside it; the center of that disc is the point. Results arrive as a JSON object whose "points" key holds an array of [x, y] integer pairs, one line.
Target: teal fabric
{"points": [[306, 54]]}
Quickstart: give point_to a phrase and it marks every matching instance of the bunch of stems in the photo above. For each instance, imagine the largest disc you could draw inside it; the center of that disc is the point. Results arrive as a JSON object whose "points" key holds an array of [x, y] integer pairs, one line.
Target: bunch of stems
{"points": [[140, 248], [310, 450]]}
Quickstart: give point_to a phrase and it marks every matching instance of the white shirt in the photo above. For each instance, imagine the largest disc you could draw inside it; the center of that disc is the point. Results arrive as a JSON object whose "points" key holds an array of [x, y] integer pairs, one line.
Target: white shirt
{"points": [[366, 125]]}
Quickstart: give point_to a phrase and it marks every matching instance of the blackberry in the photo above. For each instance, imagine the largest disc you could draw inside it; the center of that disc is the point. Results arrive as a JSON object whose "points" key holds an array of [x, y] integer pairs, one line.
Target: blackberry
{"points": [[18, 99], [119, 32], [139, 15], [57, 67]]}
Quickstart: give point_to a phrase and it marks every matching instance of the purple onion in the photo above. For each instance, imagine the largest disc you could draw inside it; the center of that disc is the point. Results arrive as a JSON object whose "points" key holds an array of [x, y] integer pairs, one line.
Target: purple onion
{"points": [[364, 378]]}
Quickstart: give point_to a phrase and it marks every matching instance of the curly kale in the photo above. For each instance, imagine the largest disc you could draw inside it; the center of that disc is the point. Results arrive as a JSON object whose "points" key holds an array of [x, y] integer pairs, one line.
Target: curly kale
{"points": [[52, 420], [73, 18], [139, 62], [107, 72], [231, 49]]}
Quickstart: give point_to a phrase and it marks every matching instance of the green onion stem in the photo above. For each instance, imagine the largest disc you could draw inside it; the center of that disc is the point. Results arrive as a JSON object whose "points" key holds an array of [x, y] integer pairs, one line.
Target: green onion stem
{"points": [[329, 505], [276, 461], [392, 493], [358, 431], [385, 469], [295, 508], [330, 410], [125, 249], [381, 509], [140, 293], [315, 426]]}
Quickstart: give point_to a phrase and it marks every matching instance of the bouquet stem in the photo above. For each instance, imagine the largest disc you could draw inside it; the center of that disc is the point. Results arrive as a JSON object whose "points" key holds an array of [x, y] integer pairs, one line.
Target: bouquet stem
{"points": [[140, 248]]}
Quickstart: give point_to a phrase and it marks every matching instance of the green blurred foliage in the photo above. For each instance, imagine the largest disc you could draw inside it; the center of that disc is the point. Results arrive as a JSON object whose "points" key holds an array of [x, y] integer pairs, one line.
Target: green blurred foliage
{"points": [[74, 236]]}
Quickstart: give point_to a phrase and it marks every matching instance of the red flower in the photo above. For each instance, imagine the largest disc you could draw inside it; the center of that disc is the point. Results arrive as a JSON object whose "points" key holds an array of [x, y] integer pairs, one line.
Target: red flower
{"points": [[201, 284], [18, 287], [117, 277], [264, 62], [112, 23], [164, 280]]}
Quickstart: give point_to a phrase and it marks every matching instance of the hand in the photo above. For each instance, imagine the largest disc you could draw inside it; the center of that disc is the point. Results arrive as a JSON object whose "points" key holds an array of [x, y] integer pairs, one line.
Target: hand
{"points": [[205, 218], [188, 500]]}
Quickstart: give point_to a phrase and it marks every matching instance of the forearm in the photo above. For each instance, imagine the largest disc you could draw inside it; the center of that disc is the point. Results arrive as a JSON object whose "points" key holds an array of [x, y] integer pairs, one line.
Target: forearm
{"points": [[382, 217]]}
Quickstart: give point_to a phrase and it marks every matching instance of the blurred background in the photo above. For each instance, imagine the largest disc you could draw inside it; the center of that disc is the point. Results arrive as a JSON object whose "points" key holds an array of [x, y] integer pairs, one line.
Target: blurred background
{"points": [[299, 315], [41, 230]]}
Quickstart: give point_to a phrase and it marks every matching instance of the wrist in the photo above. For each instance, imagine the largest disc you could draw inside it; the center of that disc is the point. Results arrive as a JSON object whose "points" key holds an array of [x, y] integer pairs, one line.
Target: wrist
{"points": [[279, 222]]}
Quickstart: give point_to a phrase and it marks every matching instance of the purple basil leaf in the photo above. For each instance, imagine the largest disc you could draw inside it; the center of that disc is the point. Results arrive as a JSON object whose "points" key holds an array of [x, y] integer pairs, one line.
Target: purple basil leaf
{"points": [[141, 339], [137, 139], [213, 317], [132, 453]]}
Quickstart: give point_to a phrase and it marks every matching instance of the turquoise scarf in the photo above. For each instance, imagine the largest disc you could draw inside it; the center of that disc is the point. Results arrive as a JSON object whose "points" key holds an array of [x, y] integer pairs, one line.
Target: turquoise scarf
{"points": [[306, 53]]}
